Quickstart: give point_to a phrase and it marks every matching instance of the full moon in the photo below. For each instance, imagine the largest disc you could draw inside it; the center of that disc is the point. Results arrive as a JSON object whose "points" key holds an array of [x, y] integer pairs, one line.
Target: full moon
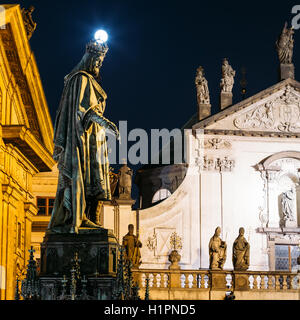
{"points": [[101, 36]]}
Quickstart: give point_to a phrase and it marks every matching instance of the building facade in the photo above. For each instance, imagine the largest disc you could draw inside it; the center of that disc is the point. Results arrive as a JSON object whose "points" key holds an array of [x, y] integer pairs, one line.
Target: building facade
{"points": [[25, 146]]}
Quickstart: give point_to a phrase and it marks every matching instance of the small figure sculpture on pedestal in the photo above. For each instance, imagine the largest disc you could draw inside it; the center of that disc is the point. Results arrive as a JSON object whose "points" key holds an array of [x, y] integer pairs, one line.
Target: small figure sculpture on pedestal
{"points": [[202, 87], [228, 75], [132, 247], [217, 251], [241, 252], [204, 106], [285, 45], [288, 208], [284, 48], [226, 84], [125, 182]]}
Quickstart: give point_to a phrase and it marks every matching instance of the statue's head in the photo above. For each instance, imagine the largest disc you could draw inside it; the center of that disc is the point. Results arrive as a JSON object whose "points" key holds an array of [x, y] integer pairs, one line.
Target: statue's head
{"points": [[241, 231], [92, 60], [218, 231], [130, 228]]}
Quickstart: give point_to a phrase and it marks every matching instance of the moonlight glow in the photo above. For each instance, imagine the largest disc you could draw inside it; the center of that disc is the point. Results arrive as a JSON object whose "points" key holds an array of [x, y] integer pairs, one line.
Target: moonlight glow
{"points": [[101, 36]]}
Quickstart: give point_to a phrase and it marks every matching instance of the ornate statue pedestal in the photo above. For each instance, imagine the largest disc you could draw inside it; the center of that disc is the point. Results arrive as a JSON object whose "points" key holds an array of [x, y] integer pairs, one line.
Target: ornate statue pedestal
{"points": [[97, 251]]}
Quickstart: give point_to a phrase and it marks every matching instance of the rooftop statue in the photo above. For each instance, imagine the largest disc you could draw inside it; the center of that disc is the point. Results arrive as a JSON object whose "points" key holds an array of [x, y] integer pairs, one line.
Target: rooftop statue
{"points": [[80, 146], [285, 45], [228, 75], [202, 87]]}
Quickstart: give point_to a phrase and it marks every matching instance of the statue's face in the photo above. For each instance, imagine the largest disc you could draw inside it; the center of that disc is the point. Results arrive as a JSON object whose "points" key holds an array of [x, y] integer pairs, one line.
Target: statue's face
{"points": [[242, 231], [218, 231], [97, 63], [130, 229]]}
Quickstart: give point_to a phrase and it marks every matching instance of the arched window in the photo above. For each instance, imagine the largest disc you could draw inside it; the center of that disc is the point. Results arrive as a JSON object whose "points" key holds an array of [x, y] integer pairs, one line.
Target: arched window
{"points": [[161, 194]]}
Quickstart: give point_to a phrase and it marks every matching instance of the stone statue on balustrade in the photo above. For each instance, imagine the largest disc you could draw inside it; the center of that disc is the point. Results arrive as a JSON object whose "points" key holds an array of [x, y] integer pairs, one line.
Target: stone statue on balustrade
{"points": [[125, 182], [285, 45], [288, 207], [241, 252], [228, 75], [132, 247], [217, 251], [202, 87], [80, 146]]}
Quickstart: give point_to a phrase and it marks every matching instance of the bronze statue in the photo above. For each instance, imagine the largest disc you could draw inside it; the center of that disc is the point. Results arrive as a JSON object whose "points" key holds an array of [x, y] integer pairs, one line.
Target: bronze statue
{"points": [[285, 45], [217, 251], [241, 252], [80, 146], [132, 247], [228, 75], [125, 182]]}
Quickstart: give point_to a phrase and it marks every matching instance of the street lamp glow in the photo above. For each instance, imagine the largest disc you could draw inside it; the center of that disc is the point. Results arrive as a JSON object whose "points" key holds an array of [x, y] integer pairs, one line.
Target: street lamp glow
{"points": [[101, 36]]}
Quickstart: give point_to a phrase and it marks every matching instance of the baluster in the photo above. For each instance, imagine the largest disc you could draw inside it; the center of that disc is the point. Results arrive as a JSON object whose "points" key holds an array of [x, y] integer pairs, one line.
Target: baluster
{"points": [[255, 284], [154, 280], [202, 281], [270, 282], [284, 283], [277, 282], [195, 282], [186, 280]]}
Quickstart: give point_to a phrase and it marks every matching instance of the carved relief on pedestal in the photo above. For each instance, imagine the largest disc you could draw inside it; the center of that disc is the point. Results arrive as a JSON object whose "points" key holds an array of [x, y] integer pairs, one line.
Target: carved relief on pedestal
{"points": [[281, 114]]}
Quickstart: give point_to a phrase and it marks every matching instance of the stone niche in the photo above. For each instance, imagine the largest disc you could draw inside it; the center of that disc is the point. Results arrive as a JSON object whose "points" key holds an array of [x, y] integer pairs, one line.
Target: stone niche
{"points": [[97, 250], [281, 175]]}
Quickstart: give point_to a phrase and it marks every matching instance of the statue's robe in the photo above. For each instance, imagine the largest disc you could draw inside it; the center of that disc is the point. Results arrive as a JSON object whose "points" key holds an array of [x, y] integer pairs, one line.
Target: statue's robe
{"points": [[81, 151], [132, 249], [240, 253]]}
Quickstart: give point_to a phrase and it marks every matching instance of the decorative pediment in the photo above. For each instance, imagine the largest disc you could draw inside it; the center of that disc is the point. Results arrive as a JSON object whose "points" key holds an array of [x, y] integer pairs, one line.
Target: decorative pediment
{"points": [[279, 114], [274, 110]]}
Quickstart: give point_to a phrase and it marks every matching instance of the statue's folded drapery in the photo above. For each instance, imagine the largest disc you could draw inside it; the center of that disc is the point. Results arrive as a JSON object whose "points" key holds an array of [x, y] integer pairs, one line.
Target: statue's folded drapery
{"points": [[81, 151]]}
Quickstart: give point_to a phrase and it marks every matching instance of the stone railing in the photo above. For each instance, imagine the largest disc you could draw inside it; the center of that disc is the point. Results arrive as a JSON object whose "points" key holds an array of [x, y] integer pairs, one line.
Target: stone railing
{"points": [[207, 284]]}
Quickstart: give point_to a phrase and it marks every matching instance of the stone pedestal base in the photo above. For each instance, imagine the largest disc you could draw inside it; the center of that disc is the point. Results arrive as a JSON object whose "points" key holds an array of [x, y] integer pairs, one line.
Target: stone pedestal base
{"points": [[290, 224], [218, 280], [204, 111], [241, 281], [286, 71], [225, 100], [97, 250]]}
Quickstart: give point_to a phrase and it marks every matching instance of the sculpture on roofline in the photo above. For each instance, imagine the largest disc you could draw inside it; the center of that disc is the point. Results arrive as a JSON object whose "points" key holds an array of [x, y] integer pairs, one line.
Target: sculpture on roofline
{"points": [[228, 75], [285, 45]]}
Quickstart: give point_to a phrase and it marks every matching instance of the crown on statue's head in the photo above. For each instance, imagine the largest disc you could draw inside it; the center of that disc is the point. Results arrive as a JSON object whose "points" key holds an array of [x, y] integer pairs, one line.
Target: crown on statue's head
{"points": [[96, 48]]}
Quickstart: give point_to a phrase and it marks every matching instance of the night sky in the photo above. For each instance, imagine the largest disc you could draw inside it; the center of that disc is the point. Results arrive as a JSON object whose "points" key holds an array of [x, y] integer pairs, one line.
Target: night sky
{"points": [[155, 48]]}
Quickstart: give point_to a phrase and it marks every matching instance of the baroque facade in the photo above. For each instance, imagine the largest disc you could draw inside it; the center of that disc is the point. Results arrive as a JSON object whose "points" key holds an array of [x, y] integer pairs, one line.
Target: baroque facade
{"points": [[25, 146]]}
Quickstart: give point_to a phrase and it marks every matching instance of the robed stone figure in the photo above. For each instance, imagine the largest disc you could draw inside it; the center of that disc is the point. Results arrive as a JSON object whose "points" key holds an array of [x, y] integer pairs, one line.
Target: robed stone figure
{"points": [[217, 251], [80, 146], [241, 252], [132, 247]]}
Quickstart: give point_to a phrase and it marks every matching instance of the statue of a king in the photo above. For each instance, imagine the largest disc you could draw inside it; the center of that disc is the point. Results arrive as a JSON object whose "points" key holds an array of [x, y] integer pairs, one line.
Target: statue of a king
{"points": [[80, 146]]}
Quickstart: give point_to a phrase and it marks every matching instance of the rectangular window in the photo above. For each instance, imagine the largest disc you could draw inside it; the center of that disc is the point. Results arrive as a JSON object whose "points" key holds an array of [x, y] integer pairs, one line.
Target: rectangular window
{"points": [[286, 257], [45, 205]]}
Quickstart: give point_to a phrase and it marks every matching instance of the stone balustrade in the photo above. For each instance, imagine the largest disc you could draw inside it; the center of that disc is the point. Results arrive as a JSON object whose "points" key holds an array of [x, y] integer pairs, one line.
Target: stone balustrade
{"points": [[210, 285]]}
